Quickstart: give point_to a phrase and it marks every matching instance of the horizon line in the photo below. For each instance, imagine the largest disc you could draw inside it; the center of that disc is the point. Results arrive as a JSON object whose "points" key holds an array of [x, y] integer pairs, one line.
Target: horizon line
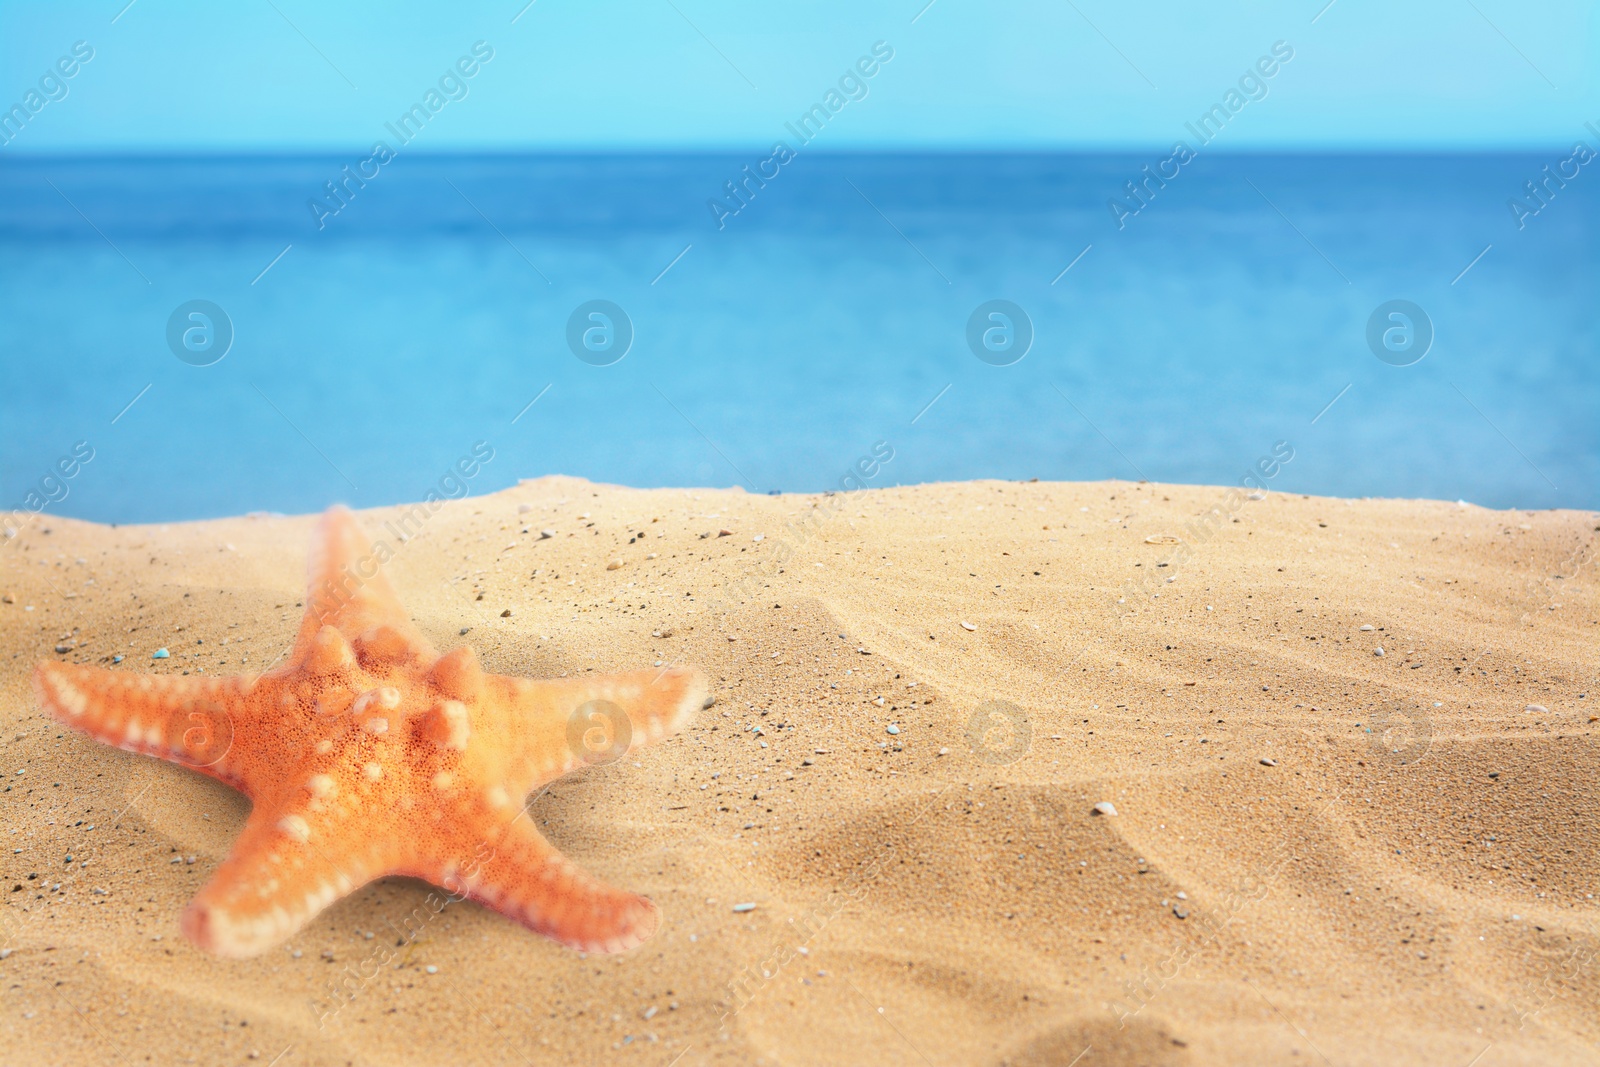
{"points": [[1098, 149]]}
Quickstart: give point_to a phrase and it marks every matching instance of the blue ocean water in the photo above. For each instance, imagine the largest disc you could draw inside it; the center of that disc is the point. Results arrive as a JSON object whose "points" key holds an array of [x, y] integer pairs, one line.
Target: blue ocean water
{"points": [[774, 346]]}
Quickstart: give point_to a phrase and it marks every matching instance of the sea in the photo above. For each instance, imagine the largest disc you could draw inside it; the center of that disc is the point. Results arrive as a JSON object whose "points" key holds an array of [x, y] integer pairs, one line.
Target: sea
{"points": [[187, 337]]}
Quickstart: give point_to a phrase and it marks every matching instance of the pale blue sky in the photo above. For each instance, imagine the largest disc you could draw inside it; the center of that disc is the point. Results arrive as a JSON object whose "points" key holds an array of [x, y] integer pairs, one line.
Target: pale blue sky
{"points": [[292, 74]]}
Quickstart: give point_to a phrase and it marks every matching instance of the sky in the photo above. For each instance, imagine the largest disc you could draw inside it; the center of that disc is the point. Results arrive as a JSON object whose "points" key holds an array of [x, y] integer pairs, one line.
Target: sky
{"points": [[291, 75]]}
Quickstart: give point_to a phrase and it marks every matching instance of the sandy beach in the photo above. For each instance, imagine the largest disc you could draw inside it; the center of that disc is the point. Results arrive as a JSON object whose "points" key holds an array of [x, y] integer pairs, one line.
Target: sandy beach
{"points": [[1344, 753]]}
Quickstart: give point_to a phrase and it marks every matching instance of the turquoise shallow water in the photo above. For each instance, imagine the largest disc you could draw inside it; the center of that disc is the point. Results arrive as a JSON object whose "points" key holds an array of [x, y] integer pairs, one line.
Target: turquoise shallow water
{"points": [[824, 317]]}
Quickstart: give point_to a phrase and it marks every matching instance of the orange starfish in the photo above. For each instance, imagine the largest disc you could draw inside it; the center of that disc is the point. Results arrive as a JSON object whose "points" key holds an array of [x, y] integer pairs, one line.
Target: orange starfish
{"points": [[368, 754]]}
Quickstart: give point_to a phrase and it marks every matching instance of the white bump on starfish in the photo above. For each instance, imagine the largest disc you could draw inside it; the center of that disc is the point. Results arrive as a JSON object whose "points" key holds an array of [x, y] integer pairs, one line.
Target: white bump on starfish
{"points": [[373, 771], [295, 827], [497, 797], [330, 653], [379, 643], [447, 726], [69, 696], [321, 785], [457, 675], [384, 696], [324, 747], [443, 780], [376, 726]]}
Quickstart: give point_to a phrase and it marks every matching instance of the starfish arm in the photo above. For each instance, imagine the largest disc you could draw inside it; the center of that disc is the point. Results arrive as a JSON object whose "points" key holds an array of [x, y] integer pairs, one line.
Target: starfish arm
{"points": [[289, 863], [187, 720], [515, 871], [559, 724], [346, 590]]}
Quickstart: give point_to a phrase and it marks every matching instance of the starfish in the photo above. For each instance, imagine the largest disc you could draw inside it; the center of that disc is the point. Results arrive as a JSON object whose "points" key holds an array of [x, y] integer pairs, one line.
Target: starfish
{"points": [[368, 754]]}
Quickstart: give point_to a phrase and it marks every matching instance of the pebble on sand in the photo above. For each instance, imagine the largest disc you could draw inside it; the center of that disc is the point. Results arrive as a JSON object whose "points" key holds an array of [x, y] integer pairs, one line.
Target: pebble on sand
{"points": [[1538, 709], [744, 907], [160, 653], [967, 625], [1366, 627], [1105, 807], [545, 535], [1268, 762], [893, 729]]}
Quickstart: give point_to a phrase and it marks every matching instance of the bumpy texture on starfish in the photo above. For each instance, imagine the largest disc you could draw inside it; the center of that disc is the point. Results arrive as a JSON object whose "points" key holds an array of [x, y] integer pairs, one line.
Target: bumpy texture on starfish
{"points": [[368, 754]]}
